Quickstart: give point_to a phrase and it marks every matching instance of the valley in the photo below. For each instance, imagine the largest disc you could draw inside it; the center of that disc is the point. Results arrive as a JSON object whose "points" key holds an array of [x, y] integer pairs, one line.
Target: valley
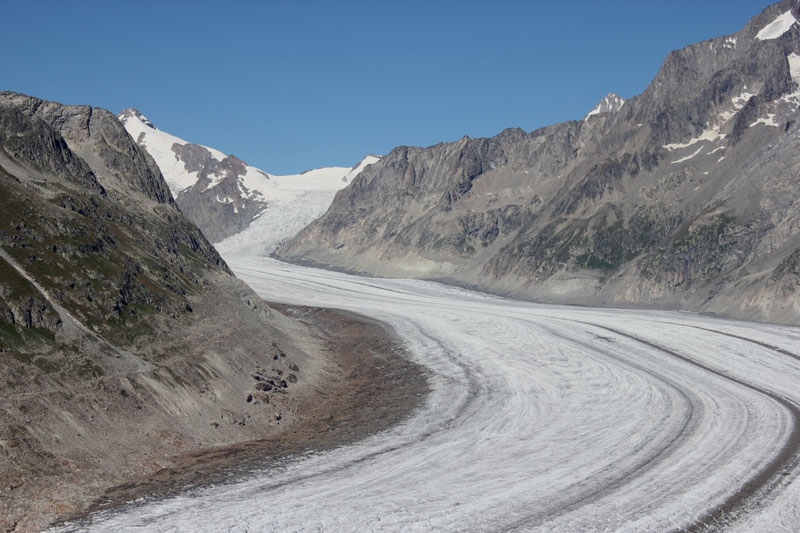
{"points": [[590, 326], [540, 418]]}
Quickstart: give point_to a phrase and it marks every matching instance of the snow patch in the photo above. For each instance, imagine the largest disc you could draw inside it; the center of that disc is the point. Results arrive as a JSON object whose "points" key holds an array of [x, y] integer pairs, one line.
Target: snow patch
{"points": [[711, 135], [216, 178], [794, 67], [713, 132], [681, 160], [794, 71], [777, 27], [769, 120]]}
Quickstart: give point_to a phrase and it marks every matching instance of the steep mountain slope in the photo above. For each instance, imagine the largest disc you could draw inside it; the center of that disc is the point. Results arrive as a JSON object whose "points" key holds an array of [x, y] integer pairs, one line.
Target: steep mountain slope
{"points": [[685, 196], [124, 338], [222, 194]]}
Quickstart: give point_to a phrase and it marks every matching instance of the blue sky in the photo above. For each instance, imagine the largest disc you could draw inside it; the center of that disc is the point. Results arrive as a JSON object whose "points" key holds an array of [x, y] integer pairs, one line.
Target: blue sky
{"points": [[293, 85]]}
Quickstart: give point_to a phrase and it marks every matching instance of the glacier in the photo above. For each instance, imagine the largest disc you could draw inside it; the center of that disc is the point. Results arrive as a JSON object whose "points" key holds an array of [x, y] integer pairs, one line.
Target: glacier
{"points": [[540, 418]]}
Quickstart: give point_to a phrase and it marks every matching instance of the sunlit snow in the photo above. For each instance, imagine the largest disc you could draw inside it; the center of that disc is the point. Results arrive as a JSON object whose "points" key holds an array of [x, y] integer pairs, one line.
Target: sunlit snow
{"points": [[777, 27], [710, 135], [682, 159], [769, 120], [794, 66], [159, 145]]}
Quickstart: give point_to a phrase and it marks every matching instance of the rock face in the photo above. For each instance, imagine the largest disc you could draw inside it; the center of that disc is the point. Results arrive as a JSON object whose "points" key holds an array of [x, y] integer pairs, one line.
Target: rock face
{"points": [[221, 207], [685, 196], [221, 193], [124, 337]]}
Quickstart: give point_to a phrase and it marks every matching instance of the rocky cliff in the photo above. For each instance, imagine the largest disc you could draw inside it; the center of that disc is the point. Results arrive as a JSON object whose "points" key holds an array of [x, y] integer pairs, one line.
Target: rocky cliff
{"points": [[124, 338], [683, 197]]}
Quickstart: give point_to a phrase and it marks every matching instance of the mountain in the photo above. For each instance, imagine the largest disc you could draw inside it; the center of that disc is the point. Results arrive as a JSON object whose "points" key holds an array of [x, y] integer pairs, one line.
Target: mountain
{"points": [[611, 103], [222, 194], [683, 197], [124, 338]]}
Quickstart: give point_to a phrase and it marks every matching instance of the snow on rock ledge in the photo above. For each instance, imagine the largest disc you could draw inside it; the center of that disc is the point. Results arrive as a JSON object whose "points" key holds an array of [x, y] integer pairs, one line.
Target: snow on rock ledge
{"points": [[777, 27]]}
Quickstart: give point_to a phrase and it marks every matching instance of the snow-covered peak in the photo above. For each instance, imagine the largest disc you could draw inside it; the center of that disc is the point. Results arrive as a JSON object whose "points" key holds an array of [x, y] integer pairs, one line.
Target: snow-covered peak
{"points": [[777, 27], [222, 193], [159, 144], [611, 103], [356, 170], [181, 174], [132, 113]]}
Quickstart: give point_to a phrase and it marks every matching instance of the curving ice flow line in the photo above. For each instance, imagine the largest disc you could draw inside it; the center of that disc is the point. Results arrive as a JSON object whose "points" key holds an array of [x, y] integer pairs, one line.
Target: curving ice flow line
{"points": [[540, 418], [758, 488]]}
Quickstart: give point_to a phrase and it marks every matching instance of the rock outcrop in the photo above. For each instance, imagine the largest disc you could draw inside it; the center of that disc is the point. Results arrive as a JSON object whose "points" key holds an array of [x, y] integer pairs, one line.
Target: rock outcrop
{"points": [[684, 197]]}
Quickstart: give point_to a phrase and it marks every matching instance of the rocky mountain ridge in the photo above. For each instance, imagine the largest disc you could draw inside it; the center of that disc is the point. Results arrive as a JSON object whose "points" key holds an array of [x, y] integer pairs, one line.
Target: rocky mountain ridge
{"points": [[685, 196], [221, 193]]}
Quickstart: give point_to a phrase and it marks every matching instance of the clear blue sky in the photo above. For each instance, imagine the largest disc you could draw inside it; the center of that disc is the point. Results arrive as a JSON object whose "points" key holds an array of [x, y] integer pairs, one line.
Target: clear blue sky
{"points": [[293, 85]]}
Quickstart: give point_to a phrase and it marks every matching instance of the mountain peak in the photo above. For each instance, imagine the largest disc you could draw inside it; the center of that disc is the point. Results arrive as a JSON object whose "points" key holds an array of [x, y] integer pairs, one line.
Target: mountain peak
{"points": [[611, 103], [132, 112]]}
